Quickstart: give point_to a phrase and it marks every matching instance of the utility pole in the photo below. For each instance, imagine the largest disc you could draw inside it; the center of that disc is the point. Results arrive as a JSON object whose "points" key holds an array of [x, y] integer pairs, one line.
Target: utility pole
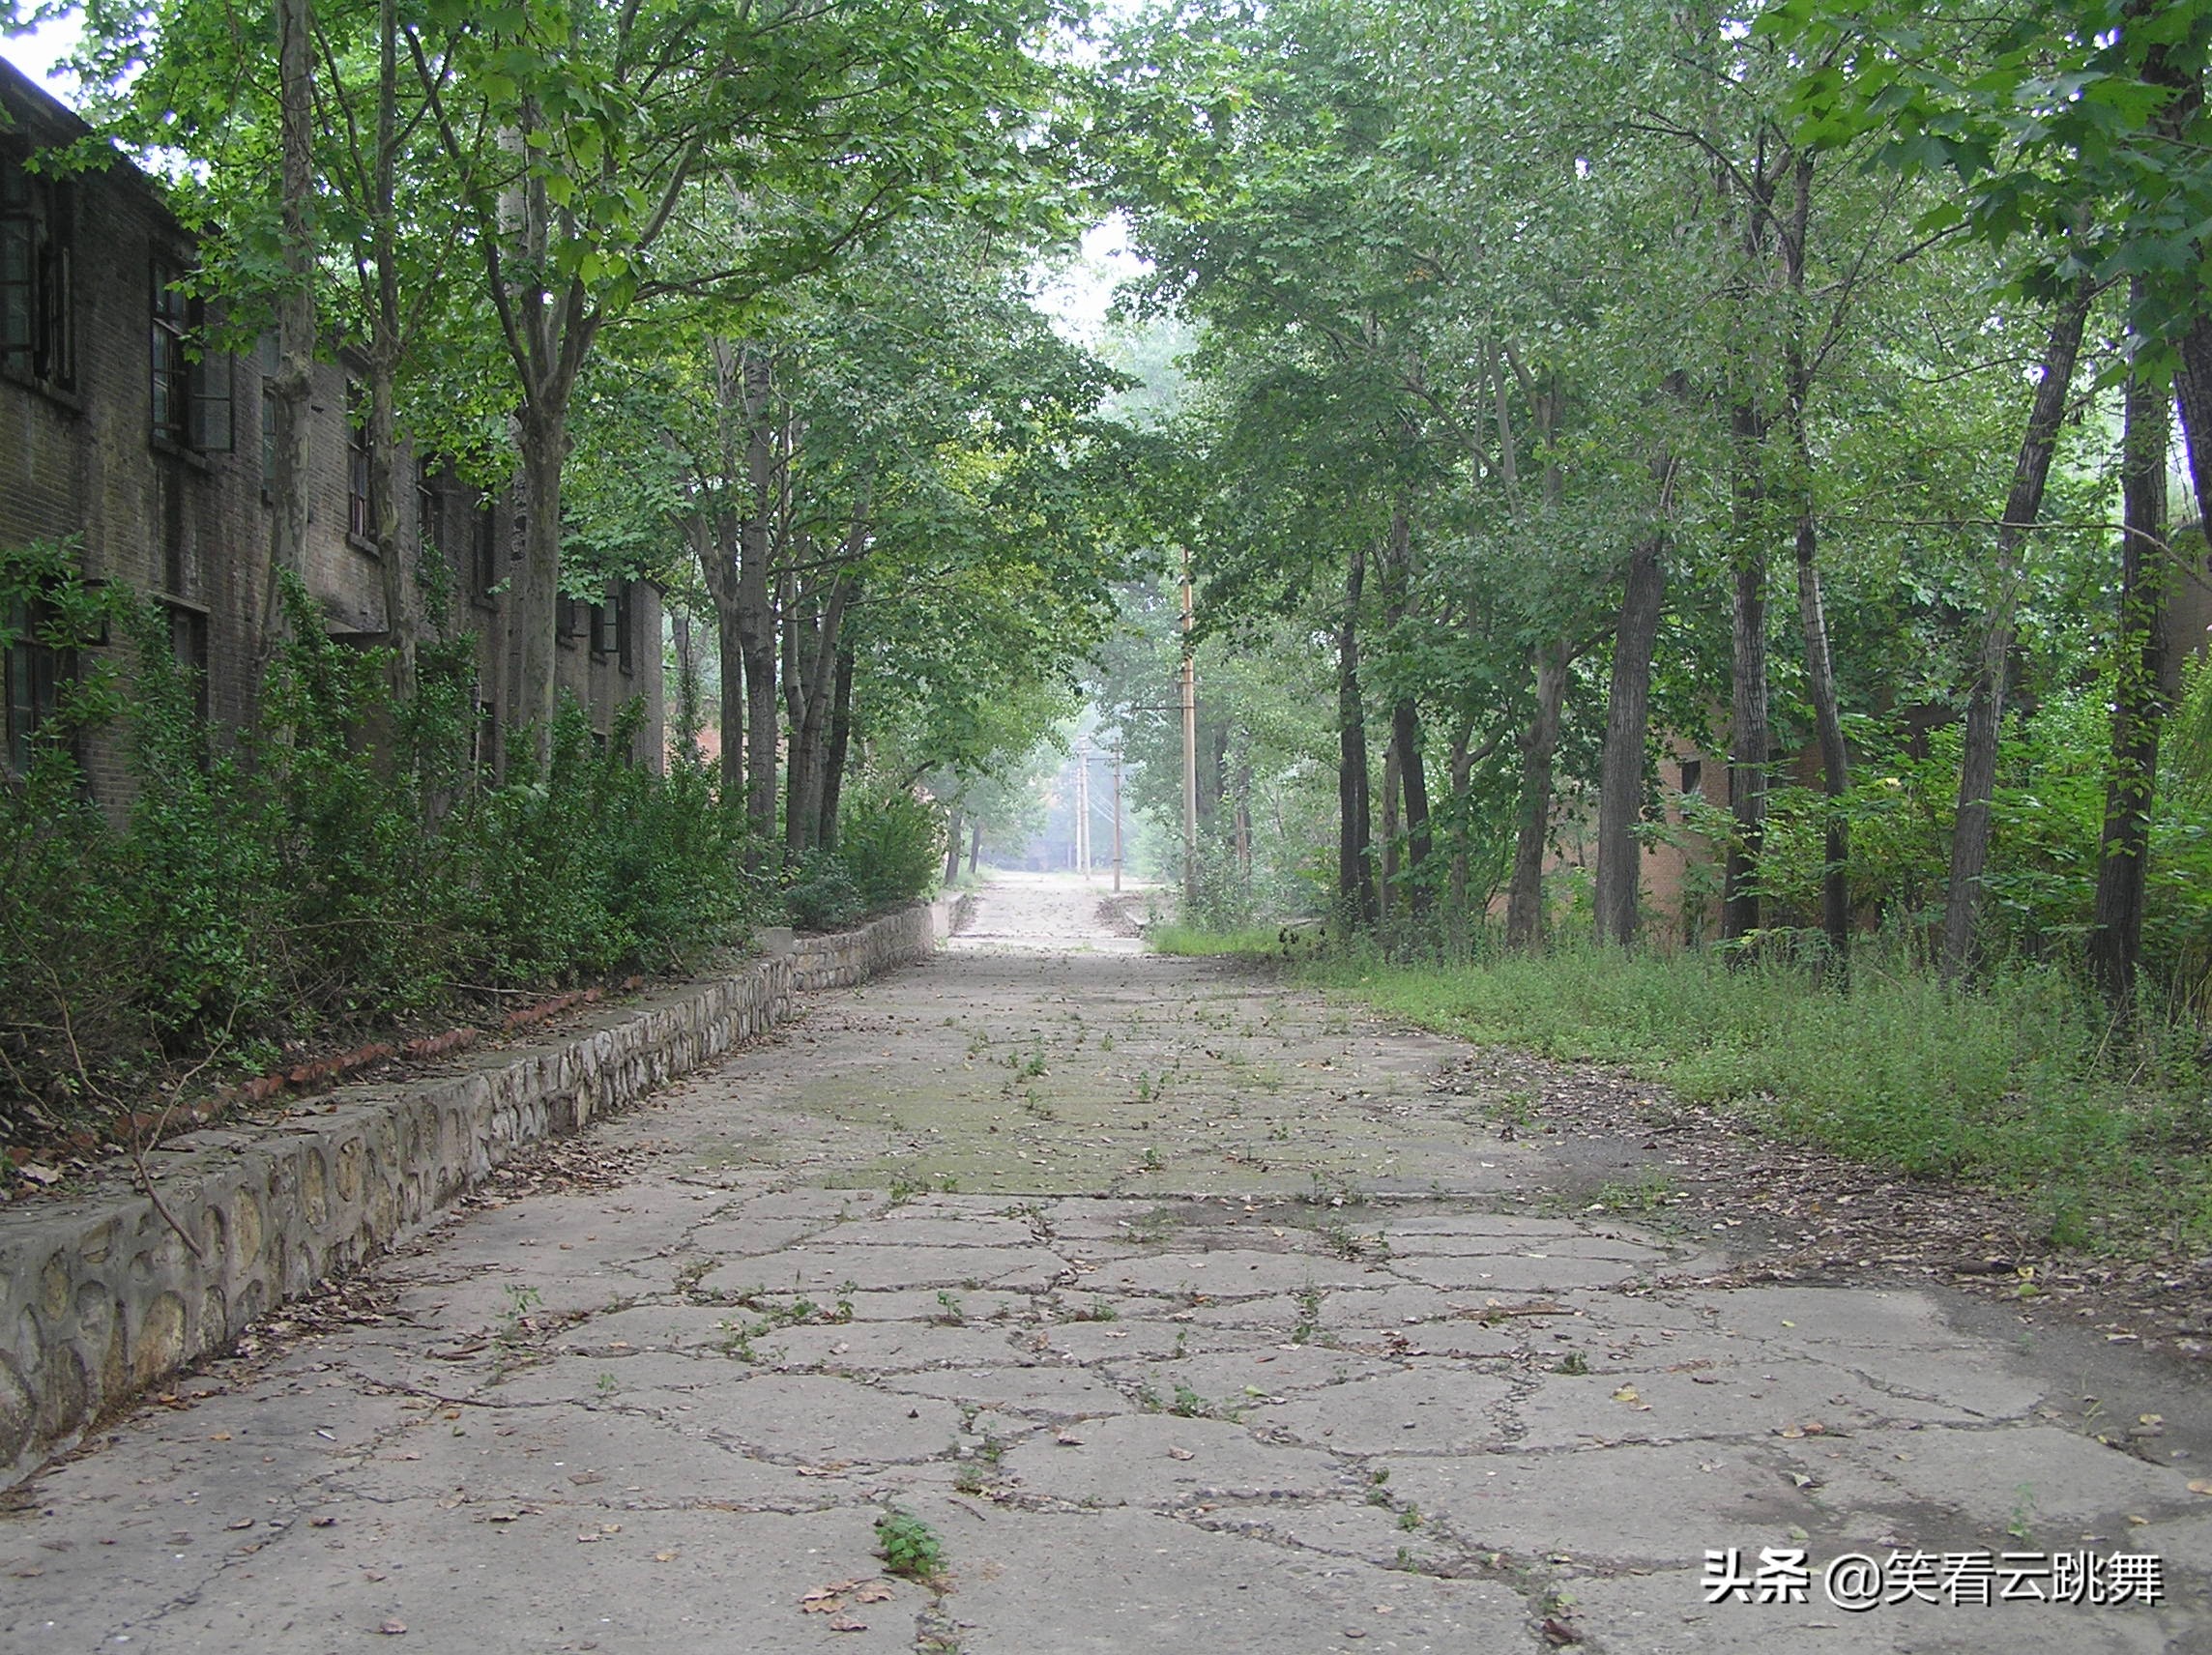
{"points": [[1117, 819], [1189, 749], [1082, 809]]}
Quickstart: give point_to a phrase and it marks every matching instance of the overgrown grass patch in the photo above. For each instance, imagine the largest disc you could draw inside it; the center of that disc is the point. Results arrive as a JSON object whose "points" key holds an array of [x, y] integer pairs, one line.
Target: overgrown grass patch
{"points": [[1176, 938], [2020, 1086]]}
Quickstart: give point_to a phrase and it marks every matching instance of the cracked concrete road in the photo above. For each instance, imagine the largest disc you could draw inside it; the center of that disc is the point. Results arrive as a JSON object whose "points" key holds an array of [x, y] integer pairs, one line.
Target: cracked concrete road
{"points": [[1179, 1306]]}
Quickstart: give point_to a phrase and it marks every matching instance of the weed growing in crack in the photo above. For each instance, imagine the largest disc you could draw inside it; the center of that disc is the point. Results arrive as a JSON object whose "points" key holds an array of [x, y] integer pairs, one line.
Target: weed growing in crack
{"points": [[1573, 1362], [1410, 1519], [1308, 1326], [909, 1546], [948, 1311]]}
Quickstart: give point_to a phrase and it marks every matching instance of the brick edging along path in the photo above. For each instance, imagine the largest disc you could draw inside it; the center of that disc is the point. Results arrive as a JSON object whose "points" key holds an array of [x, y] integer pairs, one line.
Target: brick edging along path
{"points": [[104, 1296]]}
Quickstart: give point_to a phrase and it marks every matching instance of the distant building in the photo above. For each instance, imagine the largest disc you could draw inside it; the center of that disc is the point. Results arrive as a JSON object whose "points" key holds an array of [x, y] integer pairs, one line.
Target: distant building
{"points": [[118, 433]]}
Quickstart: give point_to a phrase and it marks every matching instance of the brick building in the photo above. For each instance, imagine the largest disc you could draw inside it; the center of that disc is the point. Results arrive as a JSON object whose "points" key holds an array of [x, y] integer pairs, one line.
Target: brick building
{"points": [[119, 435]]}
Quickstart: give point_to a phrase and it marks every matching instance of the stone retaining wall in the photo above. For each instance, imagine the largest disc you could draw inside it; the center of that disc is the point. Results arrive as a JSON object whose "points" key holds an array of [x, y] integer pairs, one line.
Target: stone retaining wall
{"points": [[105, 1294]]}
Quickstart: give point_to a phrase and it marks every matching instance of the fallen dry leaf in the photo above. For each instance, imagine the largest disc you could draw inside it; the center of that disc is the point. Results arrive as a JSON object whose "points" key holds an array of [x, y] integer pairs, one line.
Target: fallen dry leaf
{"points": [[1557, 1631], [1175, 1453], [874, 1592], [392, 1628], [2200, 1486], [845, 1623], [665, 1556]]}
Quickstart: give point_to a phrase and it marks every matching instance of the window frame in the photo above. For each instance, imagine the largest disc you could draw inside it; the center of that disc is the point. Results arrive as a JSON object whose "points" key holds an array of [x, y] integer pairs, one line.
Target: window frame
{"points": [[38, 217], [187, 391]]}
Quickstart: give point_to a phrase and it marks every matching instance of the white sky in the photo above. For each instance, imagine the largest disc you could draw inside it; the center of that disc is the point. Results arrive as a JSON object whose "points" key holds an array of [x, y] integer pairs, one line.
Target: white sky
{"points": [[37, 52], [1076, 294]]}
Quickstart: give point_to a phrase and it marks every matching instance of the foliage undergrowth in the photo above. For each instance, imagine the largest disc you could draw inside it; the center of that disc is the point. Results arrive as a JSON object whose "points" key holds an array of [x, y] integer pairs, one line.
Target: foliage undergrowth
{"points": [[336, 869], [2022, 1085]]}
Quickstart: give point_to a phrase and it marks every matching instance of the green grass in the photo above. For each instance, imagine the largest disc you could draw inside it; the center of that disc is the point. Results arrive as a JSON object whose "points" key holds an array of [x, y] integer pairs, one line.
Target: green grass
{"points": [[2013, 1087], [1173, 938]]}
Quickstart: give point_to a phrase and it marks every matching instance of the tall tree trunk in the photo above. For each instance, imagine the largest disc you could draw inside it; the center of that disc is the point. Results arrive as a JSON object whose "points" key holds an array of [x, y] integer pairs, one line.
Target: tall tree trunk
{"points": [[1525, 895], [1749, 734], [394, 567], [1627, 720], [534, 585], [975, 846], [1354, 879], [840, 745], [294, 380], [1413, 783], [1827, 718], [951, 843], [688, 712], [1812, 609], [1388, 895], [1984, 700], [756, 615], [2139, 700], [1460, 768]]}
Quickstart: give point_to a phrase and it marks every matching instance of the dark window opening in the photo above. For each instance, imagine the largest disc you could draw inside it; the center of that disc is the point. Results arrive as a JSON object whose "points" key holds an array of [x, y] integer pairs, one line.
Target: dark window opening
{"points": [[1693, 776], [484, 556], [38, 310], [188, 648], [429, 529], [567, 611], [191, 391], [602, 629], [622, 605], [360, 520], [36, 672], [483, 740], [267, 357]]}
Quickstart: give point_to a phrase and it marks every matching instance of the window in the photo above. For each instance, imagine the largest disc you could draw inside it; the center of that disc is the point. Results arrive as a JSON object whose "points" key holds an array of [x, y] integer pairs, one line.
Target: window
{"points": [[38, 315], [36, 672], [188, 647], [620, 601], [361, 521], [268, 356], [484, 556], [602, 629], [429, 529], [483, 738], [565, 617], [1693, 776], [191, 392]]}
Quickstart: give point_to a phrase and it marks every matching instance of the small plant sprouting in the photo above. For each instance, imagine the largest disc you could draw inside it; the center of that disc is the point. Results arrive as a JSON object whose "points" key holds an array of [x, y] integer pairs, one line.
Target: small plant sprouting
{"points": [[1573, 1362], [904, 1190], [1154, 1161], [948, 1311], [909, 1546], [1188, 1404], [1410, 1519], [2020, 1524], [1308, 1299]]}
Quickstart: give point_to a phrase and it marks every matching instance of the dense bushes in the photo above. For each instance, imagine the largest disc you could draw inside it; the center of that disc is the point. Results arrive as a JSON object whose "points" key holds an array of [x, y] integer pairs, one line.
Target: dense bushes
{"points": [[337, 868], [889, 848]]}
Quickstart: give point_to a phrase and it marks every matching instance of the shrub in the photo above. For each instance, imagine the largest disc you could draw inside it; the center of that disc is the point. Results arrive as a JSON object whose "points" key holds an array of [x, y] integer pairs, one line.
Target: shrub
{"points": [[336, 868], [820, 895], [894, 847]]}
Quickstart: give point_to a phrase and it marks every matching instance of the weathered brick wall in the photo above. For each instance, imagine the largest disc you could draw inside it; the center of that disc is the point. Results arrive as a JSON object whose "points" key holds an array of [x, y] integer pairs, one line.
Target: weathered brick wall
{"points": [[100, 1297]]}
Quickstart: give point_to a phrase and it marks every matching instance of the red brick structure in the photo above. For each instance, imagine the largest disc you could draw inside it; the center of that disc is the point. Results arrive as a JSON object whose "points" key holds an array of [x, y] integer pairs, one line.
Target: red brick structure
{"points": [[114, 438]]}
